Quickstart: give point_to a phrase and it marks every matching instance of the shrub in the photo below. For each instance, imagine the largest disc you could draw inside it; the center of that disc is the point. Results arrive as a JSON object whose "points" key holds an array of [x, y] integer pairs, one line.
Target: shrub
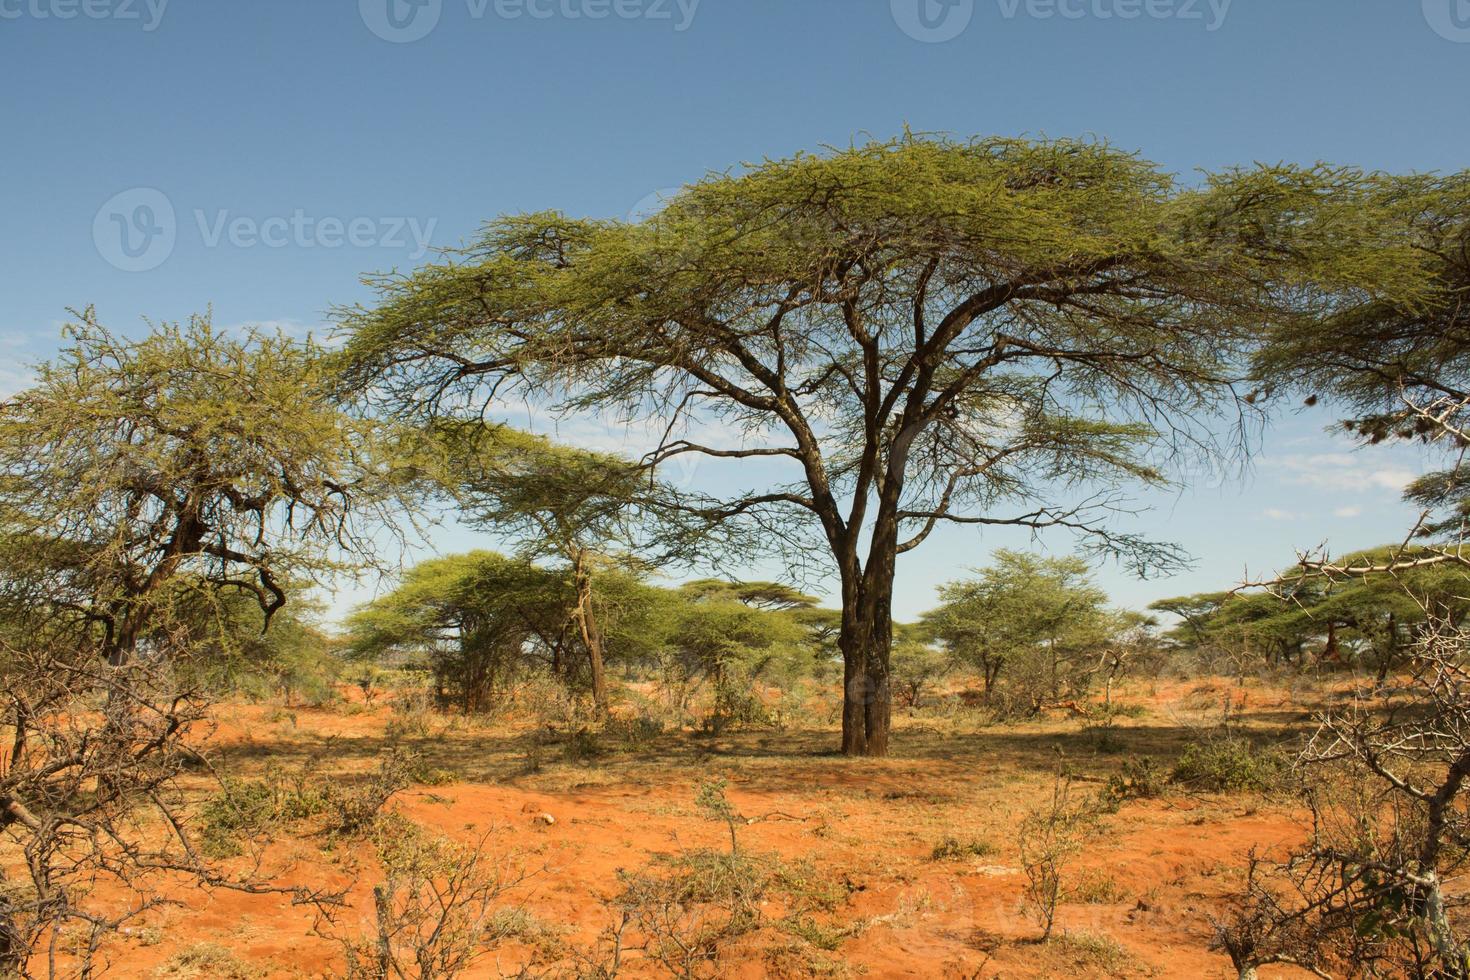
{"points": [[1229, 765], [356, 808], [954, 849], [1140, 778], [1050, 836], [821, 936], [583, 745], [208, 961], [247, 810], [634, 734], [1095, 888], [436, 911]]}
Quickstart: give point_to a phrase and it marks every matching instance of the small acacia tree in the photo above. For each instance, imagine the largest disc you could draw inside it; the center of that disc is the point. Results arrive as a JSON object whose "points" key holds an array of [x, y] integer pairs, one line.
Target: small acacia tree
{"points": [[136, 475], [1023, 606], [587, 511], [911, 334]]}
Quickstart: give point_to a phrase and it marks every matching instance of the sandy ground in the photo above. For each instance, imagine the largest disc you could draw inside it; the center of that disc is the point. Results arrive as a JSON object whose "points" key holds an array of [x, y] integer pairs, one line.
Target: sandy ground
{"points": [[1142, 888]]}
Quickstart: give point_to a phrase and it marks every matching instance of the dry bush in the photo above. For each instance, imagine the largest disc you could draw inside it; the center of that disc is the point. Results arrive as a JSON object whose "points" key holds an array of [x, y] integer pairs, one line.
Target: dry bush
{"points": [[1050, 837], [1371, 892], [683, 912], [438, 909], [89, 795]]}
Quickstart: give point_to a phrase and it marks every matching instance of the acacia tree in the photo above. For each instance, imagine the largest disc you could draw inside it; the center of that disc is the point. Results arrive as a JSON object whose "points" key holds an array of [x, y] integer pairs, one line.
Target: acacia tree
{"points": [[145, 487], [907, 335], [1372, 888], [587, 510], [138, 475], [475, 618], [1023, 606]]}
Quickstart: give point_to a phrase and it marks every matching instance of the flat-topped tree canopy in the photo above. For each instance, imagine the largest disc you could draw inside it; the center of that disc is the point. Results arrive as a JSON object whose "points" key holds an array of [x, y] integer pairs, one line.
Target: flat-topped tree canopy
{"points": [[918, 333], [1388, 336]]}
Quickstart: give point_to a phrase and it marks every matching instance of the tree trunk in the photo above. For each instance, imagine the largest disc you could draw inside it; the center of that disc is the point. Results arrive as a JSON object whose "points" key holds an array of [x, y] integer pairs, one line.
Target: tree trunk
{"points": [[866, 641], [591, 634], [1390, 651]]}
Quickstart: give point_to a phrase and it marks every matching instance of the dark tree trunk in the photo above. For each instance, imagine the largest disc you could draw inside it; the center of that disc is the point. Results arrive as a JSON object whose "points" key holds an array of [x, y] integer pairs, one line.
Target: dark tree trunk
{"points": [[866, 642]]}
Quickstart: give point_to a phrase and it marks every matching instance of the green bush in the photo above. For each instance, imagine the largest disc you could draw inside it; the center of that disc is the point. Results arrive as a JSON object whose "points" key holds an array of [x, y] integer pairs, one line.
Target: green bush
{"points": [[1229, 765], [954, 849], [1140, 778], [248, 809]]}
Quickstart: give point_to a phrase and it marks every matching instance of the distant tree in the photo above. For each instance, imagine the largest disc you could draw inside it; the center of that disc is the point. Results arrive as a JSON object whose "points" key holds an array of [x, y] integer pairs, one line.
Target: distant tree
{"points": [[1046, 610], [916, 333], [734, 644], [588, 511], [481, 620], [762, 595], [1366, 619], [1194, 612], [917, 664], [469, 618]]}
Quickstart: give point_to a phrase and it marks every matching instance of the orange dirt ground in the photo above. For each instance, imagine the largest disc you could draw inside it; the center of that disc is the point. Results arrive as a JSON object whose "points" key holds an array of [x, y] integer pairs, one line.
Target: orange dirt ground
{"points": [[1154, 872]]}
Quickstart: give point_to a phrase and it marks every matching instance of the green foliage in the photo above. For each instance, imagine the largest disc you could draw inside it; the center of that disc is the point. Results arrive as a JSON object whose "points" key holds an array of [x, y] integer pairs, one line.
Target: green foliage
{"points": [[248, 810], [954, 849], [1041, 620], [1388, 333], [1230, 764], [185, 466]]}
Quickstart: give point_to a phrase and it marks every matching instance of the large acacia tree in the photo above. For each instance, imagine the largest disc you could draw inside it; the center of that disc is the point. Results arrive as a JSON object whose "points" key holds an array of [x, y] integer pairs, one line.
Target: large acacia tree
{"points": [[895, 337]]}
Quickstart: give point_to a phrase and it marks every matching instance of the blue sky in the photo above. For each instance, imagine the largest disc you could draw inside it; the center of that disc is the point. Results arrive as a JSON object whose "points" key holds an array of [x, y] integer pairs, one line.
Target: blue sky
{"points": [[297, 144]]}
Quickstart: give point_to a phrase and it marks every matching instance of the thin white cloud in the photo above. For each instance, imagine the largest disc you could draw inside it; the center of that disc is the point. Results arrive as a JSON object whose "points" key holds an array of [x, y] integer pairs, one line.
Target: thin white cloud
{"points": [[1277, 514], [14, 379], [1339, 471], [1347, 512]]}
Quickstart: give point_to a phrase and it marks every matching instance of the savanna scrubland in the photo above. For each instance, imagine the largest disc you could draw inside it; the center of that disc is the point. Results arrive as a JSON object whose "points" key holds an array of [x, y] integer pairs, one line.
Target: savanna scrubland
{"points": [[597, 752]]}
